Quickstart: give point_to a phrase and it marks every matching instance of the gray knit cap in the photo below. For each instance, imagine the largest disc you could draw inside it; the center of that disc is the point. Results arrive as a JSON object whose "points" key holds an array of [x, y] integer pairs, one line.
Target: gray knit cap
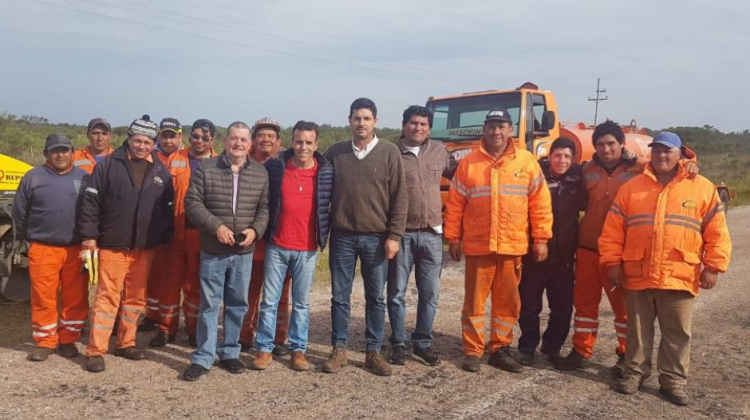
{"points": [[144, 127]]}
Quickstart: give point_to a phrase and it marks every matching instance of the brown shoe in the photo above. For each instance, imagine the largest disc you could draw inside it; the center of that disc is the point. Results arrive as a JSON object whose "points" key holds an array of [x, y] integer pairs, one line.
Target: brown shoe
{"points": [[262, 360], [299, 362], [335, 361], [375, 362], [40, 354]]}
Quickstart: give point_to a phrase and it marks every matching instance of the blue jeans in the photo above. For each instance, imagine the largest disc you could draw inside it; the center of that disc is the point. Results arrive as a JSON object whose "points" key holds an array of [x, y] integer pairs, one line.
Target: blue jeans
{"points": [[301, 264], [223, 278], [346, 247], [423, 251]]}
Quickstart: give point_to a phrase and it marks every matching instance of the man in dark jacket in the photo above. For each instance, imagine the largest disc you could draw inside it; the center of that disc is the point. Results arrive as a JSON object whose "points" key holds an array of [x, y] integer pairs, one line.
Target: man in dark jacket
{"points": [[126, 213], [555, 274], [228, 202], [425, 163], [300, 181]]}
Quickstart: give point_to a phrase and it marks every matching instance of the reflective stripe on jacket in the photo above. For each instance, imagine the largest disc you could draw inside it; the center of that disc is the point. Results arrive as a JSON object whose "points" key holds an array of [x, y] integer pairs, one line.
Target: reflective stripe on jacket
{"points": [[662, 234], [83, 159], [492, 202]]}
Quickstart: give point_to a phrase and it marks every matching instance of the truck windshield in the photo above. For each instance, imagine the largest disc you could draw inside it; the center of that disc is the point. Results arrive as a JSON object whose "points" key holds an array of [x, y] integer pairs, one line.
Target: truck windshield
{"points": [[459, 119]]}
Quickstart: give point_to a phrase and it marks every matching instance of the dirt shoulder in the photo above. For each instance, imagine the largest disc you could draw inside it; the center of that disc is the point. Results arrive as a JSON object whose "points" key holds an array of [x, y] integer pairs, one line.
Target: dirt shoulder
{"points": [[719, 379]]}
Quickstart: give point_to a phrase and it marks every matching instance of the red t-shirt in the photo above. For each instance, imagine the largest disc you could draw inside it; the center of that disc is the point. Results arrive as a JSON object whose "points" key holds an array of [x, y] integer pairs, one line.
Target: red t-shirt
{"points": [[296, 226]]}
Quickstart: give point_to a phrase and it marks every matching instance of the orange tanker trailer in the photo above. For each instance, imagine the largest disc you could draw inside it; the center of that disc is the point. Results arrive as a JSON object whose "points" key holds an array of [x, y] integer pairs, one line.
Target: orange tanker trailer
{"points": [[458, 121]]}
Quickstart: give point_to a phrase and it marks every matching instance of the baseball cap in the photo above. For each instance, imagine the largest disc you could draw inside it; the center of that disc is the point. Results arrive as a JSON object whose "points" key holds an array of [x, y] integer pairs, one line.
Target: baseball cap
{"points": [[205, 125], [498, 114], [145, 127], [99, 121], [57, 140], [667, 138], [170, 124], [266, 122]]}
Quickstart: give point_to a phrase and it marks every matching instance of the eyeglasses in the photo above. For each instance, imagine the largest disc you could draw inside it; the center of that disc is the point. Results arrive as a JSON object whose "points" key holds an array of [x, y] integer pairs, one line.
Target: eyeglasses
{"points": [[196, 136]]}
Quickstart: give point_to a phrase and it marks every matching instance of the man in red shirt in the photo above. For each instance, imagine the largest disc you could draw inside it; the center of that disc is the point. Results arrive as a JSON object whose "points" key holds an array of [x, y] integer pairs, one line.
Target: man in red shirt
{"points": [[300, 183]]}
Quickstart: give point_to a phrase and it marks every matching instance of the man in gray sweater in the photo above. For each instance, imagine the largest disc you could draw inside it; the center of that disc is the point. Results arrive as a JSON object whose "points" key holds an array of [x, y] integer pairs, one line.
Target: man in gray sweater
{"points": [[228, 202], [369, 204]]}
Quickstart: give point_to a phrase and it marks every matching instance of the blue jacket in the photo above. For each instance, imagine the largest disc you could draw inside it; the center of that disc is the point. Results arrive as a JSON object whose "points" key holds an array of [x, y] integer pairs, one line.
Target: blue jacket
{"points": [[323, 188]]}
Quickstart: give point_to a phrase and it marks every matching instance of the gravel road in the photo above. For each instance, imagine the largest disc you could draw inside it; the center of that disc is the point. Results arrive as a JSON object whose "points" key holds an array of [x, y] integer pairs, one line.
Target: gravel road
{"points": [[719, 381]]}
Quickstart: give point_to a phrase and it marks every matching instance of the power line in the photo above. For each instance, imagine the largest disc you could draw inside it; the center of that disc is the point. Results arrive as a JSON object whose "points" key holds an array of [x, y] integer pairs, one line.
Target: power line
{"points": [[254, 47], [289, 41], [598, 99]]}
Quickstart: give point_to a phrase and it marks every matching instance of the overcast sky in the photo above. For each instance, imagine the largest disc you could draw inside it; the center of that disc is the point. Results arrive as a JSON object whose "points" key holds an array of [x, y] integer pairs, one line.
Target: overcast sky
{"points": [[664, 63]]}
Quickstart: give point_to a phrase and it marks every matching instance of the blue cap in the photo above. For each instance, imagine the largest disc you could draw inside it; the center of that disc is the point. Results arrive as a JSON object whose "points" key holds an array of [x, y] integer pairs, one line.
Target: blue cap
{"points": [[666, 138]]}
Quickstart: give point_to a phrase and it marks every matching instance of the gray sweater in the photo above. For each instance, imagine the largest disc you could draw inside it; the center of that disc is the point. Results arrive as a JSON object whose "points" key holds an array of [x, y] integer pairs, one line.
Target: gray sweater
{"points": [[209, 202], [47, 204], [369, 195]]}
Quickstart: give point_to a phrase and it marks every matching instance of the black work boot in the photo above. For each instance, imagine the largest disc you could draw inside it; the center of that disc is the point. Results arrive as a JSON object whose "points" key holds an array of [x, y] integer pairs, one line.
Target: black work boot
{"points": [[40, 354], [95, 364], [67, 350], [430, 358], [619, 368], [471, 364], [131, 353], [572, 362], [280, 349], [503, 360], [398, 356], [232, 365], [194, 372], [525, 359], [160, 340], [147, 324]]}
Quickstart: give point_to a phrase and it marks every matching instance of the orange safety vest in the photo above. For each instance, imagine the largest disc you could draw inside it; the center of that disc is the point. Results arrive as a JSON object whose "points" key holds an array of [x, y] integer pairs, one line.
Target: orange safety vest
{"points": [[662, 234], [492, 202], [85, 160], [179, 167]]}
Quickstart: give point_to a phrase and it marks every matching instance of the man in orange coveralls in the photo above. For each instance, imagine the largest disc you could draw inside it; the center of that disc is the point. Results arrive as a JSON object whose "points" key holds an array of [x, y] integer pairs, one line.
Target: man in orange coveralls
{"points": [[498, 197]]}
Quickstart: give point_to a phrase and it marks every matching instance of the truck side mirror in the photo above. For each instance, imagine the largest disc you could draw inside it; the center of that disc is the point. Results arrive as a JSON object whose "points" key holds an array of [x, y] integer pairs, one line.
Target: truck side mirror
{"points": [[548, 120]]}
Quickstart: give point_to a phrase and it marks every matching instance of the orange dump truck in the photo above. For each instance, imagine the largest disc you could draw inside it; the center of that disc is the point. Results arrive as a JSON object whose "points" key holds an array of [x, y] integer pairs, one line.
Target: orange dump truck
{"points": [[458, 122]]}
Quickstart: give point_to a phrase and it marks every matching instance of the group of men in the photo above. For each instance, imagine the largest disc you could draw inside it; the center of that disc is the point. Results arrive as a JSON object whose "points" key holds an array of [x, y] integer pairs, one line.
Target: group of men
{"points": [[188, 228]]}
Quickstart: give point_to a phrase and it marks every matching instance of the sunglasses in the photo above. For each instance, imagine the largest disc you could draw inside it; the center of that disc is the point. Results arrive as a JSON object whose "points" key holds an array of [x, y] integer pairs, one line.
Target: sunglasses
{"points": [[196, 136]]}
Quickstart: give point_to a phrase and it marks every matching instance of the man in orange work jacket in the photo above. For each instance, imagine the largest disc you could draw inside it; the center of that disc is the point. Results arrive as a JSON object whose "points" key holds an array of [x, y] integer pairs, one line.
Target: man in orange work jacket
{"points": [[660, 229], [180, 275], [496, 193], [99, 133], [611, 167], [169, 142]]}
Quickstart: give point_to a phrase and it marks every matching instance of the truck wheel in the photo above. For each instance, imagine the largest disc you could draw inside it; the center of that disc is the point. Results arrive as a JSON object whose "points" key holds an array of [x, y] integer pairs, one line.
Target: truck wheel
{"points": [[17, 286], [724, 197]]}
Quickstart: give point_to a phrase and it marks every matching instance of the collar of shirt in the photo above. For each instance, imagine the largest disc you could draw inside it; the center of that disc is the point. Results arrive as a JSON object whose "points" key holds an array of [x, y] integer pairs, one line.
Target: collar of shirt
{"points": [[361, 153]]}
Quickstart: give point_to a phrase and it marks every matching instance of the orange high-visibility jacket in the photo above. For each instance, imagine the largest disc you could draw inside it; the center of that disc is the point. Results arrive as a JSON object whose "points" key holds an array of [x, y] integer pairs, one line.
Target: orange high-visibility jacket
{"points": [[492, 202], [84, 159], [179, 167], [602, 188], [662, 234]]}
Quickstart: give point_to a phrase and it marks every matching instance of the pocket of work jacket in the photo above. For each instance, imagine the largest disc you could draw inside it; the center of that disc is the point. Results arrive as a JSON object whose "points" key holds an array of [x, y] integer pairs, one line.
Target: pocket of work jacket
{"points": [[632, 259], [685, 265]]}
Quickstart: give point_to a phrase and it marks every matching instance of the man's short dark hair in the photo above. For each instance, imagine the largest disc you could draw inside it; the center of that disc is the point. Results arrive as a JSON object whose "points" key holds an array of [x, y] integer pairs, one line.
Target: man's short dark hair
{"points": [[417, 110], [363, 103], [305, 126], [563, 143], [608, 127]]}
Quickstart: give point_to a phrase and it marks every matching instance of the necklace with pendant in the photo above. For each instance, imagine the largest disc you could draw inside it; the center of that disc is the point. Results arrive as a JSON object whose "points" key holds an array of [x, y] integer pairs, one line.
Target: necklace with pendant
{"points": [[304, 181]]}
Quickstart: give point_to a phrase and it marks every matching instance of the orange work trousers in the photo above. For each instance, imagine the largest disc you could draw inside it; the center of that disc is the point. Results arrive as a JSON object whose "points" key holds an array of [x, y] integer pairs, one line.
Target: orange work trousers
{"points": [[591, 277], [180, 280], [155, 279], [57, 270], [122, 276], [497, 276], [250, 323]]}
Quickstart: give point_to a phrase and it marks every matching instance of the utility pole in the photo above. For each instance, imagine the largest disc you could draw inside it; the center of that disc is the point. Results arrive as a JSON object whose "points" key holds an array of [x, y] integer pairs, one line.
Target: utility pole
{"points": [[598, 99]]}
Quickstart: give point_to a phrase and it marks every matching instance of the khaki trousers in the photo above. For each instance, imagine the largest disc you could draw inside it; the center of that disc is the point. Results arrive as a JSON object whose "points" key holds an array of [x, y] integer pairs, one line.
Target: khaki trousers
{"points": [[673, 309]]}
